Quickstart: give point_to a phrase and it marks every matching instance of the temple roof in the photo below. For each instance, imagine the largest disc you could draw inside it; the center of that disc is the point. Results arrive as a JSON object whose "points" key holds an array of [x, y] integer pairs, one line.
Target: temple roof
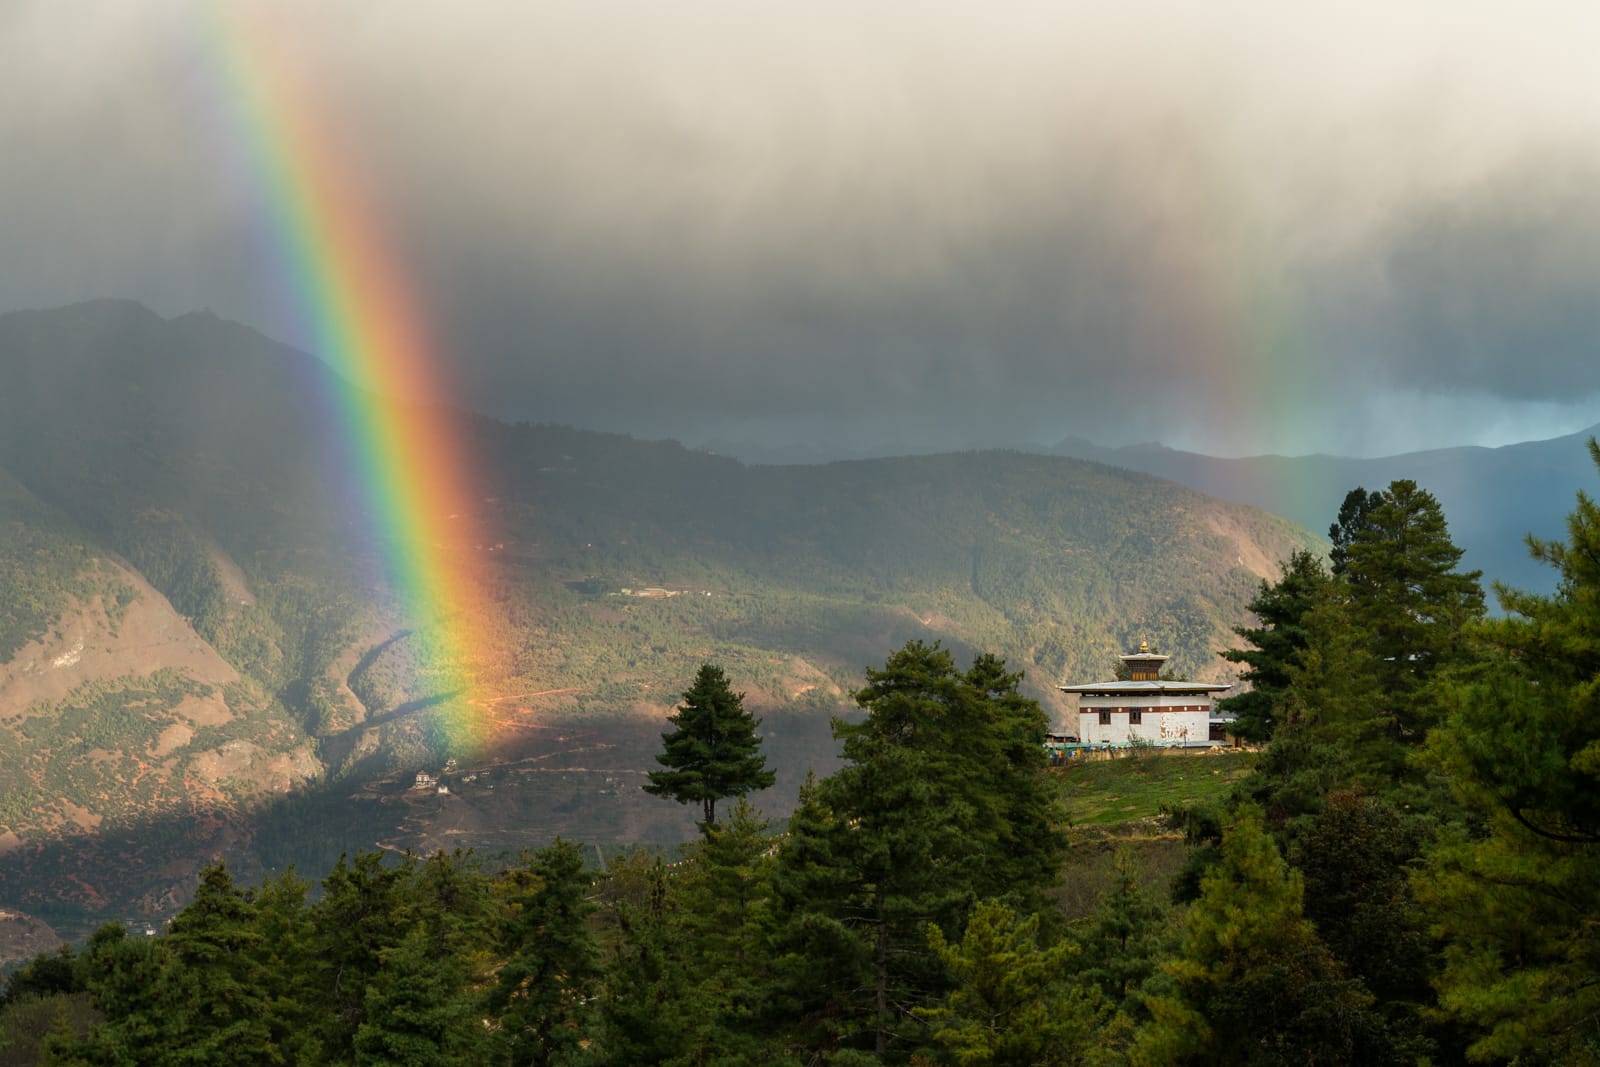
{"points": [[1144, 656], [1116, 688]]}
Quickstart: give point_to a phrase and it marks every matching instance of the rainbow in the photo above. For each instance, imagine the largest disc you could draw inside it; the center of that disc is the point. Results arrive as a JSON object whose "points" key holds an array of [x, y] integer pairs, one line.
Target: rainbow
{"points": [[366, 321], [1239, 324]]}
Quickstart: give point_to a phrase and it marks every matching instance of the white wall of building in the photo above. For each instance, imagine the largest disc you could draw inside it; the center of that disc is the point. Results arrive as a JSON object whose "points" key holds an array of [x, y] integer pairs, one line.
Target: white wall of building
{"points": [[1164, 720]]}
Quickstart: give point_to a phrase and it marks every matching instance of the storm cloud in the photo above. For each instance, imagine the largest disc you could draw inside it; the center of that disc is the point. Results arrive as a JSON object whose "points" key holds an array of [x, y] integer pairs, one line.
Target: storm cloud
{"points": [[1244, 228]]}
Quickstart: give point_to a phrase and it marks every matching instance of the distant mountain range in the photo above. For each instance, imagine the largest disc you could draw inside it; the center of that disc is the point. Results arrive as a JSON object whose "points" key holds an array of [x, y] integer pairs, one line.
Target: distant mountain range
{"points": [[198, 656], [1493, 498]]}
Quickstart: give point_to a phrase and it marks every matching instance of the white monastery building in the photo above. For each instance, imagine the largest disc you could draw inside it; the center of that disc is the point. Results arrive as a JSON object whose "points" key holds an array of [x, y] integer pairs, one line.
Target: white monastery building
{"points": [[1147, 709]]}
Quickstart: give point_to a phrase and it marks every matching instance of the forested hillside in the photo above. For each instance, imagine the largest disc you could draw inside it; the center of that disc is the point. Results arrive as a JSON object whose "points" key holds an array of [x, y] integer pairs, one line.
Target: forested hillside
{"points": [[1405, 875], [200, 656]]}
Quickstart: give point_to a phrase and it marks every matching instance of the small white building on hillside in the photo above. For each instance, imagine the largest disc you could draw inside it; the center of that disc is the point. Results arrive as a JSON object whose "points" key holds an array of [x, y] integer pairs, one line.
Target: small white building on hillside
{"points": [[1147, 709]]}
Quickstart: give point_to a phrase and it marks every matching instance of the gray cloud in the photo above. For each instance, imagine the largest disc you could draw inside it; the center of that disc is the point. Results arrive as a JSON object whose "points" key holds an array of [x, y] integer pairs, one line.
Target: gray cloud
{"points": [[871, 222], [1499, 289]]}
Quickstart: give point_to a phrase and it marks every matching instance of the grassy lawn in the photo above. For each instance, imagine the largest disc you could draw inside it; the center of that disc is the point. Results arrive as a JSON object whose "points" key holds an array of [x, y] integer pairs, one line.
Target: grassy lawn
{"points": [[1106, 792]]}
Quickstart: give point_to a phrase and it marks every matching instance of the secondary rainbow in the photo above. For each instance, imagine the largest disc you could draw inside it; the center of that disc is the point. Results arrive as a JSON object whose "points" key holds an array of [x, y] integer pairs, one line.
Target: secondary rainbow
{"points": [[368, 324]]}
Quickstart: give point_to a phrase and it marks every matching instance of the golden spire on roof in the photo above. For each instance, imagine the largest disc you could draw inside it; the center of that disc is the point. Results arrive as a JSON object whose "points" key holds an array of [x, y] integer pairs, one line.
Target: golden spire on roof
{"points": [[1144, 647]]}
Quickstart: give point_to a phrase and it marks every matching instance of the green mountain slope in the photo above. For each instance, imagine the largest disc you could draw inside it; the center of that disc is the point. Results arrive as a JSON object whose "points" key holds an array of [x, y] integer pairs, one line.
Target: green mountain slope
{"points": [[201, 466]]}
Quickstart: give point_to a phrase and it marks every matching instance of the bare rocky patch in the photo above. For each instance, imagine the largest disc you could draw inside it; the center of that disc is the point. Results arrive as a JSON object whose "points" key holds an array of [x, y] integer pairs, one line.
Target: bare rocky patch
{"points": [[88, 646], [1251, 555], [172, 739]]}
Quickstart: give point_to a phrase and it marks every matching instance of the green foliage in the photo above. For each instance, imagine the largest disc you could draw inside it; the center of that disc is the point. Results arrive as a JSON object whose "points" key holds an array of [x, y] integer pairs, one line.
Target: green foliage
{"points": [[1122, 944], [44, 565], [942, 801], [1356, 857], [552, 962], [46, 975], [722, 896], [228, 1015], [30, 1025], [130, 982], [1277, 643], [1355, 518], [1009, 1001], [359, 917], [1254, 985], [1519, 905], [976, 740], [645, 1016], [1358, 702], [1408, 597], [818, 959], [44, 998], [713, 751], [684, 981], [418, 1009]]}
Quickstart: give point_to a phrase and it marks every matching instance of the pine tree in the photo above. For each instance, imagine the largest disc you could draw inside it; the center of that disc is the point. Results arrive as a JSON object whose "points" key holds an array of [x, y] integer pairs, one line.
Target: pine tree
{"points": [[1276, 645], [817, 962], [1354, 517], [1357, 706], [1123, 942], [287, 964], [450, 893], [130, 982], [1010, 1002], [722, 890], [943, 800], [418, 1012], [1519, 905], [1254, 984], [215, 945], [685, 983], [644, 1017], [362, 914], [980, 744], [1330, 731], [713, 751], [1408, 598], [197, 996], [552, 962], [1355, 857]]}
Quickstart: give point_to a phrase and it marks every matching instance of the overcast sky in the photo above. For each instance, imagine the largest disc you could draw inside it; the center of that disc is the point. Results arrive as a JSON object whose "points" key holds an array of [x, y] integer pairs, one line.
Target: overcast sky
{"points": [[1231, 227]]}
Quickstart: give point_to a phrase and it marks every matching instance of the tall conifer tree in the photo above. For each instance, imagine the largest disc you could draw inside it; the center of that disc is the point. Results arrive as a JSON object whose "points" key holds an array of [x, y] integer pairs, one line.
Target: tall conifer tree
{"points": [[1254, 984], [942, 801], [1519, 906], [713, 752], [1278, 641], [552, 963]]}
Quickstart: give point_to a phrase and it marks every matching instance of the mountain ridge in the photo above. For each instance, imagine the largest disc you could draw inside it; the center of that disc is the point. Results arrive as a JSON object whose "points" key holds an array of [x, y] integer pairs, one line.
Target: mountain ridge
{"points": [[1493, 498]]}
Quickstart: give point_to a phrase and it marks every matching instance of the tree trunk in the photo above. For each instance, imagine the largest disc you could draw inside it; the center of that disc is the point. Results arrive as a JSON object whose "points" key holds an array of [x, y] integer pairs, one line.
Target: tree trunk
{"points": [[883, 989]]}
